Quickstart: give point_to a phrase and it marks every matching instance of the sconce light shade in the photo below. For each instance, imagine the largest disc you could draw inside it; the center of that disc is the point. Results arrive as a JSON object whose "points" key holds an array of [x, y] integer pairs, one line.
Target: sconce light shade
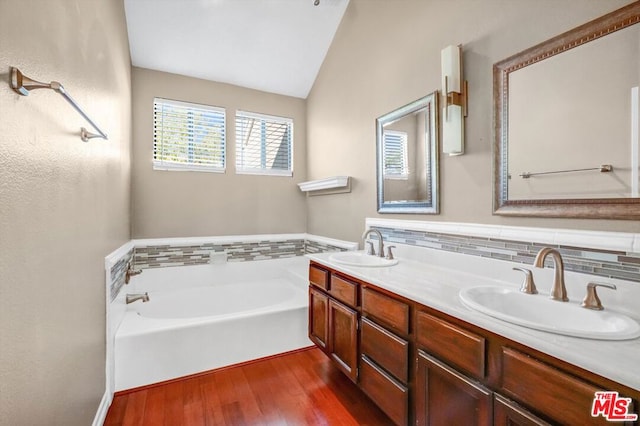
{"points": [[454, 91]]}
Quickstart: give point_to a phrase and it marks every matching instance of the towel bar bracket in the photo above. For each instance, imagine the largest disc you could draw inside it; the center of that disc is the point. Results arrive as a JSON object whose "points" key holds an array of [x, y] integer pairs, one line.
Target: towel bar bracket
{"points": [[22, 85]]}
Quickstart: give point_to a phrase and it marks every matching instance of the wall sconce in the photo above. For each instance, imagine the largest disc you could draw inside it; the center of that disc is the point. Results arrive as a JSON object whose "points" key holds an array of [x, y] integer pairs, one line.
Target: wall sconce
{"points": [[454, 91]]}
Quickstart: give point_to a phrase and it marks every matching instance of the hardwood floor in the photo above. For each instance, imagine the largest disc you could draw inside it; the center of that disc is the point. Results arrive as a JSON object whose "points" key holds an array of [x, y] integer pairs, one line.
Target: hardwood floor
{"points": [[300, 388]]}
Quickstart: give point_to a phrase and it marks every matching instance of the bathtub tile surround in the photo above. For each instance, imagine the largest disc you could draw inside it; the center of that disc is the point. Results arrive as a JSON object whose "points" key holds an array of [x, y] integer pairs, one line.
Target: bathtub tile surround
{"points": [[151, 254], [166, 252], [117, 273], [604, 254], [159, 256]]}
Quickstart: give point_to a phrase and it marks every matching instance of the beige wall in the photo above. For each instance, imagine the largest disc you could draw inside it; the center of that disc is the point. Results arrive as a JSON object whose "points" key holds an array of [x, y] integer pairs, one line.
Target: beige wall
{"points": [[183, 204], [386, 54], [64, 205]]}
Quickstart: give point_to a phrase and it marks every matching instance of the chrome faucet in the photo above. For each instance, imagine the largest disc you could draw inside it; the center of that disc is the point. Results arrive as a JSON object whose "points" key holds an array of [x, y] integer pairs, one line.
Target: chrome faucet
{"points": [[131, 272], [558, 291], [380, 242], [133, 297]]}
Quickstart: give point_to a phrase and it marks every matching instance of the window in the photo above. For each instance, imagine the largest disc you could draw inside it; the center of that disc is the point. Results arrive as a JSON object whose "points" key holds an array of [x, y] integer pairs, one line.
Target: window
{"points": [[264, 144], [188, 136], [395, 155]]}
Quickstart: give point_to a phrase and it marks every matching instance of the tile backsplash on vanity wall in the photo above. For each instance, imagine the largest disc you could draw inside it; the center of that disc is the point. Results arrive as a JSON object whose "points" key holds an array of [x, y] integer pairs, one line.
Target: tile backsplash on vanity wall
{"points": [[600, 262]]}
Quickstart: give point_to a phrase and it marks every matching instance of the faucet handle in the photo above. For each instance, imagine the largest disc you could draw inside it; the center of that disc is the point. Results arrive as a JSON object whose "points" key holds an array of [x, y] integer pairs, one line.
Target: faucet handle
{"points": [[591, 300], [389, 255], [130, 272], [528, 285], [369, 247]]}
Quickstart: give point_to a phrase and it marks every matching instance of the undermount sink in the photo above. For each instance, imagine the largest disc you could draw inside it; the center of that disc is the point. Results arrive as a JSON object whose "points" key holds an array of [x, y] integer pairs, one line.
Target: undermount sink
{"points": [[359, 258], [539, 312]]}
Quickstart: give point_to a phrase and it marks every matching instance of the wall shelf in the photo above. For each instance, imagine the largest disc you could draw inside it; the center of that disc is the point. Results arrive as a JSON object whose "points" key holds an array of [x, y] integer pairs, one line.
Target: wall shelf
{"points": [[331, 185]]}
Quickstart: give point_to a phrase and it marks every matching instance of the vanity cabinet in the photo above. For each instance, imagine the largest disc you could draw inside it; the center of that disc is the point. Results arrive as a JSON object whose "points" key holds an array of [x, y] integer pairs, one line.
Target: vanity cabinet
{"points": [[508, 413], [318, 318], [385, 348], [343, 338], [444, 396], [424, 367], [450, 364], [333, 318]]}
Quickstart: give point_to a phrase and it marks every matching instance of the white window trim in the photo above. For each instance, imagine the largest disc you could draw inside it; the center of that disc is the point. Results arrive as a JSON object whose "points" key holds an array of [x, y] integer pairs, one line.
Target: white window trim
{"points": [[164, 165], [271, 172]]}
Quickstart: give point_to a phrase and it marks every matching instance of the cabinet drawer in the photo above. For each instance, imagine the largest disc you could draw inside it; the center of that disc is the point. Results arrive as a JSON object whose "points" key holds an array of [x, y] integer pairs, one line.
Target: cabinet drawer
{"points": [[318, 277], [344, 290], [508, 413], [387, 393], [386, 349], [455, 345], [558, 395], [390, 312]]}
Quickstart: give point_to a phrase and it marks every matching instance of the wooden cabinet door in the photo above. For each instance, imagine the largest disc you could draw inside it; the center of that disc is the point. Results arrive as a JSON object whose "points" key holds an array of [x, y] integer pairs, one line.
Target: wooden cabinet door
{"points": [[318, 318], [446, 397], [508, 413], [343, 340]]}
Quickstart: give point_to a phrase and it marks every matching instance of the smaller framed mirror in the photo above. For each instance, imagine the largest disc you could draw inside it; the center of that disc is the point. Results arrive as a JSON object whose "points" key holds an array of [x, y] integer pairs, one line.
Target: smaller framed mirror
{"points": [[407, 158]]}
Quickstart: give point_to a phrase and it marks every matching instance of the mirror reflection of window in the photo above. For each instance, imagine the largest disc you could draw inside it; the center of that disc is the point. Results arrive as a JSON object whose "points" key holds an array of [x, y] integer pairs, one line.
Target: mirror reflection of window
{"points": [[407, 160], [395, 155]]}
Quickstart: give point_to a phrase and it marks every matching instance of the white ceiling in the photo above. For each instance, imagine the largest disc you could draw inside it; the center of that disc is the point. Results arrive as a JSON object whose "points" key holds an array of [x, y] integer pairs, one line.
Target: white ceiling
{"points": [[272, 45]]}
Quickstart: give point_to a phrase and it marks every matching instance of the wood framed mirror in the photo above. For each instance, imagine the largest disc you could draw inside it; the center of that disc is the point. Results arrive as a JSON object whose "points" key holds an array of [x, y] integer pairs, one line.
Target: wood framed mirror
{"points": [[566, 123]]}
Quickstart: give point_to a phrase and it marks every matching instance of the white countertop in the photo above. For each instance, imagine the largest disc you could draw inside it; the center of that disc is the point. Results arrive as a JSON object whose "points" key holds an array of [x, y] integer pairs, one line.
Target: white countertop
{"points": [[434, 278]]}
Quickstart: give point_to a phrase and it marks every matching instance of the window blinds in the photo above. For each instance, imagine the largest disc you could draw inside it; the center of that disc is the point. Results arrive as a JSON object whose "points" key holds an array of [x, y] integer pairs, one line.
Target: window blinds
{"points": [[264, 144], [395, 155], [188, 136]]}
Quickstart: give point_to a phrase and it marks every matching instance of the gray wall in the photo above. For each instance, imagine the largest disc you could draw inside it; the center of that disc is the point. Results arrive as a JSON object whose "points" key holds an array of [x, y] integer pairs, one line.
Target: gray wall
{"points": [[183, 204], [64, 204], [387, 54]]}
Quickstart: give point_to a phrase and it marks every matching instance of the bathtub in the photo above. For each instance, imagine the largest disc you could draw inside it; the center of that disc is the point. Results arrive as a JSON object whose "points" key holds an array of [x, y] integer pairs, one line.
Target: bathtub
{"points": [[204, 317]]}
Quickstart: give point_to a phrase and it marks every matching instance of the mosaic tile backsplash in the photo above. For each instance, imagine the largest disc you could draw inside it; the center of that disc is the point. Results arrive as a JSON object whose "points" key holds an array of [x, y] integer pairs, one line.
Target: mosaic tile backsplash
{"points": [[166, 255], [604, 263], [318, 247], [160, 256], [118, 272]]}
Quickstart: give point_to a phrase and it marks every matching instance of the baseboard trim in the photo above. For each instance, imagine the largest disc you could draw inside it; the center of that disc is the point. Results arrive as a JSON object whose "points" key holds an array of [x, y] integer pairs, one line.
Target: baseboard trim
{"points": [[103, 409]]}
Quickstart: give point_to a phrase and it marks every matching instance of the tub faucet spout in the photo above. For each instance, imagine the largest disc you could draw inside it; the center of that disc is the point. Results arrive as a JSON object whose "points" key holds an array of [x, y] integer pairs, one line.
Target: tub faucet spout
{"points": [[380, 242], [558, 291], [133, 297]]}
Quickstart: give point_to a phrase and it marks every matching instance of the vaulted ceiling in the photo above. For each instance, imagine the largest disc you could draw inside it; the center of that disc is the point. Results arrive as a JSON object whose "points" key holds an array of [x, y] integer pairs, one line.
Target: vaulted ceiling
{"points": [[272, 45]]}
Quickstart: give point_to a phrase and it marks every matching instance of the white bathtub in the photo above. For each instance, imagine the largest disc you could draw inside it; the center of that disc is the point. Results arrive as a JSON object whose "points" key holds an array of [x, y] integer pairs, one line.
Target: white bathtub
{"points": [[210, 316]]}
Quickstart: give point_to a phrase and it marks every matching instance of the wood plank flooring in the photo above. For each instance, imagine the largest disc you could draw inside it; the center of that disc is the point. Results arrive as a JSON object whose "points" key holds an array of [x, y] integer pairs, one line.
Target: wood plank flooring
{"points": [[300, 388]]}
